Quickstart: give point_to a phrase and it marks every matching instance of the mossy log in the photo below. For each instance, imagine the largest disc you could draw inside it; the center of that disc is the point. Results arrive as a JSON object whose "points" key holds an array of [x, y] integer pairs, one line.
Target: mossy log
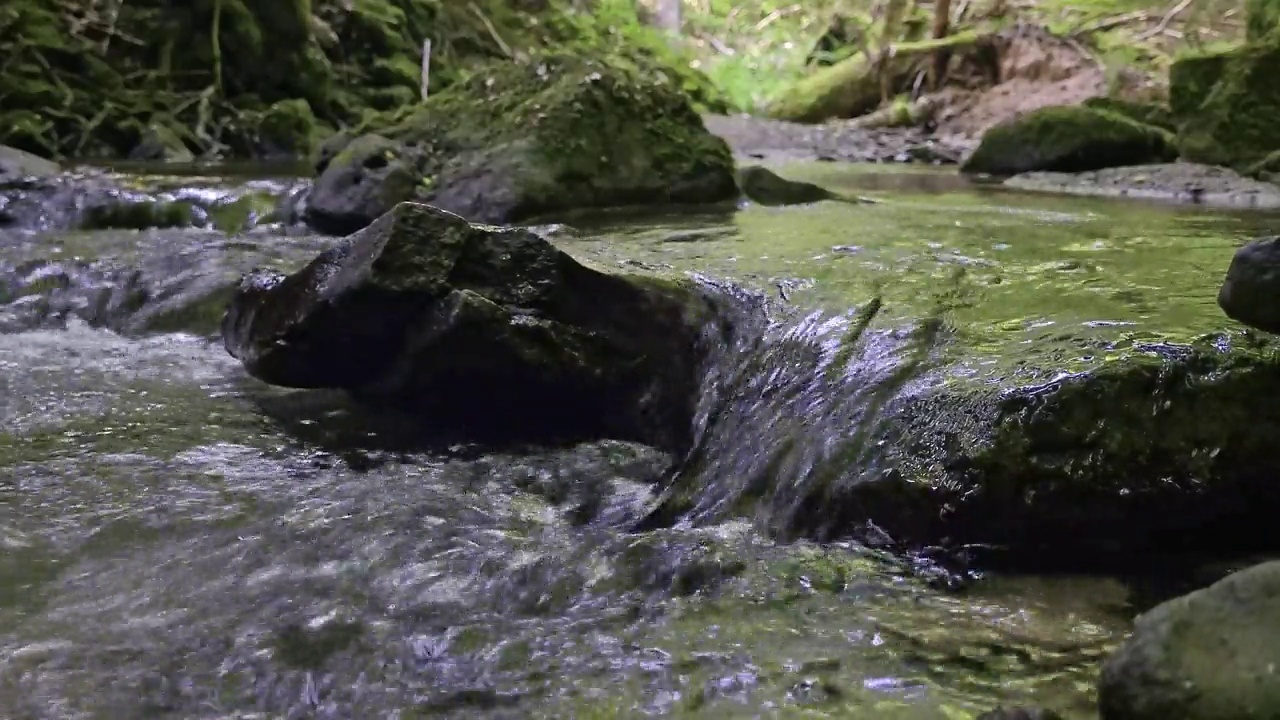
{"points": [[852, 87]]}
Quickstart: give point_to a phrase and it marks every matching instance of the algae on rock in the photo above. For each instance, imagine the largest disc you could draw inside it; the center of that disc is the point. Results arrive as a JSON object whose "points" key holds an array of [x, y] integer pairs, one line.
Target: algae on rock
{"points": [[558, 132], [1068, 139]]}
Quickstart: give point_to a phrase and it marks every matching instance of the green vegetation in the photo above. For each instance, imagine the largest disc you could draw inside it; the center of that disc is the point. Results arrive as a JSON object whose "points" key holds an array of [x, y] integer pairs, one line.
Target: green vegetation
{"points": [[263, 77]]}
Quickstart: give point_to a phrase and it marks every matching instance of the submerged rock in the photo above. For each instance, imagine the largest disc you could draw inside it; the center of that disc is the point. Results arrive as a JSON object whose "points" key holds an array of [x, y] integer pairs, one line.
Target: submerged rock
{"points": [[522, 139], [490, 332], [1251, 292], [1210, 655], [1068, 139]]}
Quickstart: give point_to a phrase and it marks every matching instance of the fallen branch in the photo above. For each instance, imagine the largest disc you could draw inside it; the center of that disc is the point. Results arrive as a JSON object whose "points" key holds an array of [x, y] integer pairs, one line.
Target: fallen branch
{"points": [[1164, 21]]}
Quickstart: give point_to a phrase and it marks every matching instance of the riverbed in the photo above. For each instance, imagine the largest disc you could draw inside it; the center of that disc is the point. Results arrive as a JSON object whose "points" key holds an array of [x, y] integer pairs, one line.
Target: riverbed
{"points": [[179, 540]]}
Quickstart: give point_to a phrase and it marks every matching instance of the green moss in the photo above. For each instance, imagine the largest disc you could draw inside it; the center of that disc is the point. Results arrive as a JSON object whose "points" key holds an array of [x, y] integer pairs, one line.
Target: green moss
{"points": [[578, 131], [289, 127], [1147, 113], [1262, 17], [1227, 104], [1068, 139]]}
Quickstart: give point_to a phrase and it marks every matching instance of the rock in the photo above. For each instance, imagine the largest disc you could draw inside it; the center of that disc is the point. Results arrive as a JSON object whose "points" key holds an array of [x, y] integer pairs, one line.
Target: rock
{"points": [[1210, 655], [522, 139], [18, 165], [1162, 447], [287, 129], [765, 187], [1147, 113], [1181, 182], [1227, 104], [159, 143], [1067, 139], [1251, 291], [490, 332], [368, 177], [1019, 713]]}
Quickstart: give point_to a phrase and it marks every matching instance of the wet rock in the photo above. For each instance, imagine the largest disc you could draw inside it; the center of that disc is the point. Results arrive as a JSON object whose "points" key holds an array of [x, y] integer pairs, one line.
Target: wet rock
{"points": [[1250, 292], [367, 178], [130, 214], [1226, 102], [522, 139], [18, 165], [1210, 655], [763, 186], [1068, 139], [1181, 182], [287, 129], [492, 333], [1163, 447]]}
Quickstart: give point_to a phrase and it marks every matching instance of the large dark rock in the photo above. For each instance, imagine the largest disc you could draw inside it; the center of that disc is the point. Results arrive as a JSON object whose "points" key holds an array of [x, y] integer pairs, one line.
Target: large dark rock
{"points": [[490, 332], [1068, 139], [1210, 655], [1251, 291], [520, 139]]}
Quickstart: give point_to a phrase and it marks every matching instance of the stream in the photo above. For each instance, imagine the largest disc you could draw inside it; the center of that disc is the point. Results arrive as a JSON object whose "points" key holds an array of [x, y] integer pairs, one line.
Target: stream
{"points": [[178, 540]]}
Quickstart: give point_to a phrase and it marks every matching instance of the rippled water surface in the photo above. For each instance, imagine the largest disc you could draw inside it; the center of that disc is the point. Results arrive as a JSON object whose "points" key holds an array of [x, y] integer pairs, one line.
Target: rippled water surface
{"points": [[180, 541]]}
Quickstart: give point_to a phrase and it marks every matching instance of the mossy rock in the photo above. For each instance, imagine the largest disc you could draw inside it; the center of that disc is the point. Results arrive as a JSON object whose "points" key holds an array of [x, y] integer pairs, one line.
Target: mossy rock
{"points": [[288, 129], [1161, 449], [1211, 655], [1262, 17], [366, 178], [1068, 139], [559, 132], [138, 215], [1147, 113], [1228, 104], [1267, 169], [159, 142]]}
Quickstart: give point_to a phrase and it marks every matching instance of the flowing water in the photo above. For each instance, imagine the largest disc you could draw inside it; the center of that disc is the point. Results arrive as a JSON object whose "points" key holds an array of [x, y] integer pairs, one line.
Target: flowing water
{"points": [[178, 540]]}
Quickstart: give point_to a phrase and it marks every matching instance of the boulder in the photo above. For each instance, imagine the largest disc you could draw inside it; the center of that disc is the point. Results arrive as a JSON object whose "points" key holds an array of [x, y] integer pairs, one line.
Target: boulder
{"points": [[1067, 139], [519, 139], [490, 332], [287, 129], [1251, 291], [1210, 655], [1227, 103], [18, 165], [365, 179], [160, 143], [1019, 713]]}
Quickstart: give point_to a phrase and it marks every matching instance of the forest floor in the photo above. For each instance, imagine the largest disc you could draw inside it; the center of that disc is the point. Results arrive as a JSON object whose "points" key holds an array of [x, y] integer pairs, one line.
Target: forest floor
{"points": [[1054, 53]]}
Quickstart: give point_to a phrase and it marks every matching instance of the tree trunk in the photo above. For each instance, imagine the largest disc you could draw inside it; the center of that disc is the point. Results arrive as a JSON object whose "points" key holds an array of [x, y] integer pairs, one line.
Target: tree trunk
{"points": [[942, 57]]}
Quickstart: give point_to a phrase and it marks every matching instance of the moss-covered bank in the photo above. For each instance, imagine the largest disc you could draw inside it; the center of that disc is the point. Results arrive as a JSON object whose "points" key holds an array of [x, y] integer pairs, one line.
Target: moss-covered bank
{"points": [[251, 78]]}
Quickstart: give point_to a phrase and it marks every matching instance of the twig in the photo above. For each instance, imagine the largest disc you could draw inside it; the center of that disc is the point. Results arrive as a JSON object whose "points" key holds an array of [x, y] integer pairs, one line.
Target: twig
{"points": [[1164, 21], [426, 68], [1110, 22], [493, 32]]}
